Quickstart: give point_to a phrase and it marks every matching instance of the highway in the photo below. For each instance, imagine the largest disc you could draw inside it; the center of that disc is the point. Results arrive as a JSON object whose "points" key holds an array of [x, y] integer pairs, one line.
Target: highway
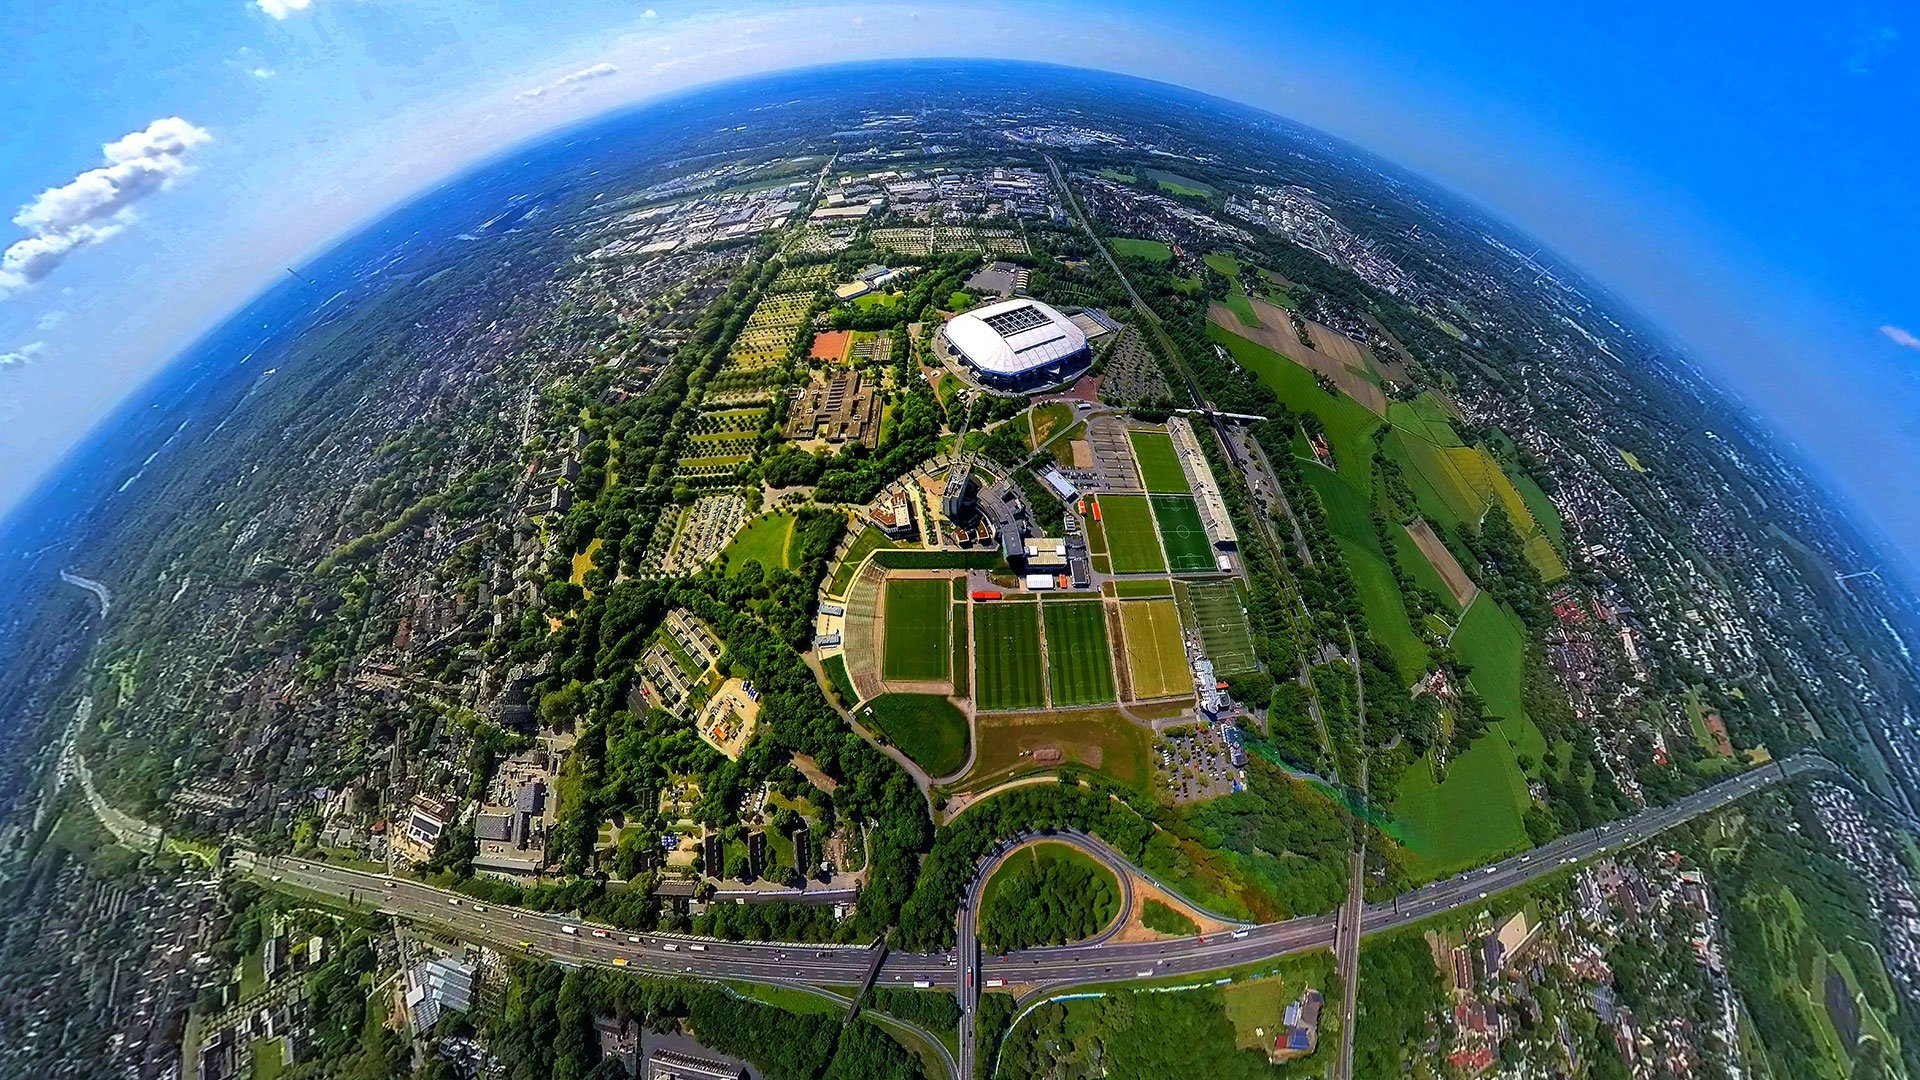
{"points": [[1034, 973]]}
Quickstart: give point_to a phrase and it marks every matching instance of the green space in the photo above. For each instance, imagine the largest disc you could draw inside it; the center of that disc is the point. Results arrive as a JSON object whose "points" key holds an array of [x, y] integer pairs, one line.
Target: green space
{"points": [[836, 668], [1185, 537], [1237, 302], [1131, 248], [1006, 653], [1351, 523], [1079, 662], [1118, 177], [1141, 588], [1453, 486], [766, 540], [1174, 184], [926, 727], [1048, 893], [1160, 469], [869, 541], [917, 635], [1047, 421], [1492, 643], [1127, 522], [959, 301], [873, 300], [1425, 417], [1222, 622], [1163, 919]]}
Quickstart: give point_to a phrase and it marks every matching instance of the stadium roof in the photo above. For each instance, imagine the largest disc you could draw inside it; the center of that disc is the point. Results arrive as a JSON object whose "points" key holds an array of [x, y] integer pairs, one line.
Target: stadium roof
{"points": [[1015, 335]]}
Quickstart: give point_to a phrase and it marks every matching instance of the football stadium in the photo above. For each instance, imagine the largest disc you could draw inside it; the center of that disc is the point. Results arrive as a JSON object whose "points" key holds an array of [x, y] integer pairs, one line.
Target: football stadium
{"points": [[1018, 345]]}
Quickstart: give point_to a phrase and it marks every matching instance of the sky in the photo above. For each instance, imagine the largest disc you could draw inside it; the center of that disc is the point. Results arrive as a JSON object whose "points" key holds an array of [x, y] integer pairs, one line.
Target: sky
{"points": [[1743, 174]]}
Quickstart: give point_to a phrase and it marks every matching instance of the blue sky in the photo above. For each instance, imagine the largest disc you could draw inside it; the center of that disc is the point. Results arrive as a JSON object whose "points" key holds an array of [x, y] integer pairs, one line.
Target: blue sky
{"points": [[1742, 173]]}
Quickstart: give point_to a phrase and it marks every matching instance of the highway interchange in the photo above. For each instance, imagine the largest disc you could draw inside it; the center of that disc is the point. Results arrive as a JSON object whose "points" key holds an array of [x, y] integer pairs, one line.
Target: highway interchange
{"points": [[1035, 973]]}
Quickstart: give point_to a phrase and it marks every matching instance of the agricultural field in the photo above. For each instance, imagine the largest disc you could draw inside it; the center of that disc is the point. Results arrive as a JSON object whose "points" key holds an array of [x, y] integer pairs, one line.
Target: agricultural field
{"points": [[1432, 566], [1348, 423], [1185, 537], [1454, 486], [1475, 815], [1340, 359], [1079, 662], [1007, 670], [1160, 470], [1175, 184], [1222, 621], [917, 634], [926, 727], [1156, 654], [766, 540], [1151, 250], [1132, 540]]}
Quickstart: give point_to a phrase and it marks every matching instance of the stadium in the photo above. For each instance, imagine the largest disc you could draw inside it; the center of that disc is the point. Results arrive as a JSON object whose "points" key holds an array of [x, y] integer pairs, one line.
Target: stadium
{"points": [[1017, 345]]}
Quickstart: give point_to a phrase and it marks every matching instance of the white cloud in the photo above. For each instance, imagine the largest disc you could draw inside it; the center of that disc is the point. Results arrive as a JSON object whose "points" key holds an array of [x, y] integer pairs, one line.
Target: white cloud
{"points": [[51, 319], [280, 9], [262, 73], [572, 81], [1902, 337], [21, 356], [1870, 48], [649, 14], [98, 203]]}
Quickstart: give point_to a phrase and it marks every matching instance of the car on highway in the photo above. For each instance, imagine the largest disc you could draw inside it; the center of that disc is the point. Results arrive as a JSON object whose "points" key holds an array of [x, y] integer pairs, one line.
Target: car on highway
{"points": [[526, 944], [570, 931], [621, 960]]}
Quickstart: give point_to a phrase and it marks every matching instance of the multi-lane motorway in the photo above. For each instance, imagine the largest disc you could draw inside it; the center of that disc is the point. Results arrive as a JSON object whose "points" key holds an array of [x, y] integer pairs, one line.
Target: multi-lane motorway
{"points": [[1033, 972]]}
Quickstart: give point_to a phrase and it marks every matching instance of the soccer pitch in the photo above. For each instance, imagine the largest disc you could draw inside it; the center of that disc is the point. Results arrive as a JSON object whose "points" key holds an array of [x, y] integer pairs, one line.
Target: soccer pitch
{"points": [[1131, 538], [1079, 663], [1006, 651], [1222, 624], [1156, 655], [1160, 469], [916, 616], [1186, 538]]}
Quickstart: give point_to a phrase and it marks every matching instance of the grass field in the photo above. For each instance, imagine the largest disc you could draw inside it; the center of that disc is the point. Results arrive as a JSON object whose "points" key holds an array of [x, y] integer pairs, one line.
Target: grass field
{"points": [[1222, 623], [765, 540], [1175, 184], [1454, 486], [1156, 655], [836, 668], [1006, 650], [926, 727], [1011, 744], [1132, 540], [1475, 815], [1351, 524], [1140, 588], [915, 621], [1079, 663], [1047, 421], [1151, 250], [1223, 263], [1160, 469], [1349, 425], [1185, 538], [869, 541]]}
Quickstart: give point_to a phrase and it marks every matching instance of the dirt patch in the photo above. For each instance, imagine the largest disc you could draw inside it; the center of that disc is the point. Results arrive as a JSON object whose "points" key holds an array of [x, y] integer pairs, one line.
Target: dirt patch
{"points": [[1143, 891], [1346, 370], [1451, 572], [810, 769]]}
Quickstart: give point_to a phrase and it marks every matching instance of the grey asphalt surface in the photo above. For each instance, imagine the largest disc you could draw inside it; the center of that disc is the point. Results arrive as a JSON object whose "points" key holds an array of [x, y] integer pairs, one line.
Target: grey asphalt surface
{"points": [[1038, 972]]}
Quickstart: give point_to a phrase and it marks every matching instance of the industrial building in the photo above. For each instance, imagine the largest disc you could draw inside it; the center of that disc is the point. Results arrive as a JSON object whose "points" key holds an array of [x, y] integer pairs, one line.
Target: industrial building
{"points": [[1018, 345]]}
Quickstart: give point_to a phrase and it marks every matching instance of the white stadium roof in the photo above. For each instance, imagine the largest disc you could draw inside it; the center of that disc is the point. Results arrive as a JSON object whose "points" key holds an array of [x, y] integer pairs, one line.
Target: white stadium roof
{"points": [[1014, 336]]}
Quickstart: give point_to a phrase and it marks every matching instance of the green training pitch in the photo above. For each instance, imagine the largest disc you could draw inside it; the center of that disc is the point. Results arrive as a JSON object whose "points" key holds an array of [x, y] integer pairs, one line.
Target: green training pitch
{"points": [[926, 727], [1131, 538], [1006, 652], [916, 627], [1160, 469], [1223, 625], [1188, 548], [1079, 663]]}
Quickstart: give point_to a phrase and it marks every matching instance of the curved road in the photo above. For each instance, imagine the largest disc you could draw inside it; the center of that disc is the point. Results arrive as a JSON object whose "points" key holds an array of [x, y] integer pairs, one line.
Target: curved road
{"points": [[1039, 972]]}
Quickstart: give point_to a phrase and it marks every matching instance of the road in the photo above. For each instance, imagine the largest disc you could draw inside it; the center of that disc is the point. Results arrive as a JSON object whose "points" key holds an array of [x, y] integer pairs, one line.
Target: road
{"points": [[1035, 972]]}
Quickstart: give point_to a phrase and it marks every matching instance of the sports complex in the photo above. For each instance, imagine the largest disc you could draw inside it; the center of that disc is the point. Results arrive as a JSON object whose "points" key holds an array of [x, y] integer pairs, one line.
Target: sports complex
{"points": [[1017, 345]]}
